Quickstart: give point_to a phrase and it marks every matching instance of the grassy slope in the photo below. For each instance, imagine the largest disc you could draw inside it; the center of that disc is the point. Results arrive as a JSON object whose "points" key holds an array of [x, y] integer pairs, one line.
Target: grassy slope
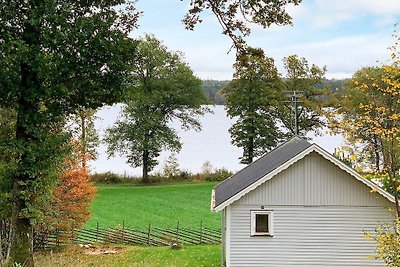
{"points": [[160, 205], [197, 256]]}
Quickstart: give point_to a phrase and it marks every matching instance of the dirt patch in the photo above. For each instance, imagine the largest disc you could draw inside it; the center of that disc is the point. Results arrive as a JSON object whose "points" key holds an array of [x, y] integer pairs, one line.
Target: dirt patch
{"points": [[94, 250]]}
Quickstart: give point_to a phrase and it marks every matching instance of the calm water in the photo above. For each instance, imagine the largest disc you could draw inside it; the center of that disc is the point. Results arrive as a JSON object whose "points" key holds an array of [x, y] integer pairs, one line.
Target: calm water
{"points": [[212, 144]]}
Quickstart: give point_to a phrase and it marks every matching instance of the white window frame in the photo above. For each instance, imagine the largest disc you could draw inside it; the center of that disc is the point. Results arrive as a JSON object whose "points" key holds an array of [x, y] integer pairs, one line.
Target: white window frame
{"points": [[270, 214]]}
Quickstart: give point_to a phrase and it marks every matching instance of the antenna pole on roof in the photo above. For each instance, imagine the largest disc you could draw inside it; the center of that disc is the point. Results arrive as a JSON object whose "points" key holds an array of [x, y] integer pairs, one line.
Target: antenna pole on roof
{"points": [[294, 110], [294, 100]]}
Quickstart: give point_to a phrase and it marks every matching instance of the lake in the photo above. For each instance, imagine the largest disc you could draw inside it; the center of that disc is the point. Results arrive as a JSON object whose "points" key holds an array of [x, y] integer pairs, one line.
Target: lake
{"points": [[212, 144]]}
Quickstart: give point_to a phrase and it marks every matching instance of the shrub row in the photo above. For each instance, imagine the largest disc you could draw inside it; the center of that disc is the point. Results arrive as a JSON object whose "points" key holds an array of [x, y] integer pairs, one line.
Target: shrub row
{"points": [[182, 176]]}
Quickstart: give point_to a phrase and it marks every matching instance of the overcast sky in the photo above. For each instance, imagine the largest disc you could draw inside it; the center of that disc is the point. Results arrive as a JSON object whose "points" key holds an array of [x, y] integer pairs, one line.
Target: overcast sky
{"points": [[343, 35]]}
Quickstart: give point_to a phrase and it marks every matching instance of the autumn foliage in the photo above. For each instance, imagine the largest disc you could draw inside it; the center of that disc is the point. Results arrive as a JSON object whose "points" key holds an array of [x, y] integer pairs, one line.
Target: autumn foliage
{"points": [[72, 196], [368, 115]]}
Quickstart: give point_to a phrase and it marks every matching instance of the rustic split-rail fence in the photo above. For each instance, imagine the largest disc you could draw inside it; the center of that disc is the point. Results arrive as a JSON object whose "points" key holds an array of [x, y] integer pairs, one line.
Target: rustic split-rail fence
{"points": [[152, 236]]}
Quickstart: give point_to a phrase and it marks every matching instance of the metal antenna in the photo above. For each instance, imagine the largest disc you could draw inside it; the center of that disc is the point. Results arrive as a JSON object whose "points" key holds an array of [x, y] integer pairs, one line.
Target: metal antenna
{"points": [[294, 97], [294, 111]]}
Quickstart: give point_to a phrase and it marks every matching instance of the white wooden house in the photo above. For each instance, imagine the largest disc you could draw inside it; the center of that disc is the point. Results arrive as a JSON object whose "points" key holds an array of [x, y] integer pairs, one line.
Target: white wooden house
{"points": [[299, 206]]}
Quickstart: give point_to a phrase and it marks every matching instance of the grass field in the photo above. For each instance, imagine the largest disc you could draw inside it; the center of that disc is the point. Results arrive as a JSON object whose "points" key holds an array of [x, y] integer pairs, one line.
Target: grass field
{"points": [[158, 205], [196, 256]]}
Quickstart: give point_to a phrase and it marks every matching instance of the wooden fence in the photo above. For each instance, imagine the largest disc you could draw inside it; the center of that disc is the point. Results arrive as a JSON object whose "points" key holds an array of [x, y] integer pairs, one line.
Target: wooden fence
{"points": [[152, 236]]}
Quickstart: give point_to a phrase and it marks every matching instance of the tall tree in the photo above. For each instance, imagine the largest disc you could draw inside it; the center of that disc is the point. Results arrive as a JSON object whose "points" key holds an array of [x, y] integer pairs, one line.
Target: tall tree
{"points": [[56, 56], [364, 144], [81, 126], [251, 99], [299, 109], [368, 116], [368, 113], [162, 88]]}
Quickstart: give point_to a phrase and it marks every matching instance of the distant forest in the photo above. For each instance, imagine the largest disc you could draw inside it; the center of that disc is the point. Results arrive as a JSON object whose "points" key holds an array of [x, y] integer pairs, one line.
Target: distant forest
{"points": [[212, 89]]}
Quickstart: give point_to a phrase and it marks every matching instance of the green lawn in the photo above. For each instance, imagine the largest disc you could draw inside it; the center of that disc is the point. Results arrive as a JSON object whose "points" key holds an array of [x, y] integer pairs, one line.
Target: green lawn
{"points": [[196, 256], [158, 205]]}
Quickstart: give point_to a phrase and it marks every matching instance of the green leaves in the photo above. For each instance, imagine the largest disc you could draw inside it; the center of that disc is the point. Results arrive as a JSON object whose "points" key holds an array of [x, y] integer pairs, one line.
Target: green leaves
{"points": [[257, 96], [161, 88], [250, 97], [235, 16], [56, 57], [76, 50], [307, 82]]}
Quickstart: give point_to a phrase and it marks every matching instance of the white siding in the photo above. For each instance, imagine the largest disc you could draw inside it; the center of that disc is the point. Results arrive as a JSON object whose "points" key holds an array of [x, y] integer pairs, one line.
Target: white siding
{"points": [[320, 213], [313, 181], [305, 236]]}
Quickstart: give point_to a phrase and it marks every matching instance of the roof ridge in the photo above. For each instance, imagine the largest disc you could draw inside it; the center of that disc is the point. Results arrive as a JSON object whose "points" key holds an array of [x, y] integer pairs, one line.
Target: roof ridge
{"points": [[242, 184], [295, 137]]}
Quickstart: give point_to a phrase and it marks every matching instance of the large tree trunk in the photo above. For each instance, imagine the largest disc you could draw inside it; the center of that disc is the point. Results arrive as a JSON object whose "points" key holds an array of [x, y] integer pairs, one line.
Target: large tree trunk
{"points": [[251, 148], [377, 151], [145, 171], [22, 240]]}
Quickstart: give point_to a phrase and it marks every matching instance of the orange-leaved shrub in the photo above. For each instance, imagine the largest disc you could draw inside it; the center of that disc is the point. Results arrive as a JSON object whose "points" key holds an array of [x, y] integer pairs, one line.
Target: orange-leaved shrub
{"points": [[72, 197], [70, 206]]}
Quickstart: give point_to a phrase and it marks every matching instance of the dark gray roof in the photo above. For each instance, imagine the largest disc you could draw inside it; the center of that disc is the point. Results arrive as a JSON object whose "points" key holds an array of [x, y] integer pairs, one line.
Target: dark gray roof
{"points": [[258, 169]]}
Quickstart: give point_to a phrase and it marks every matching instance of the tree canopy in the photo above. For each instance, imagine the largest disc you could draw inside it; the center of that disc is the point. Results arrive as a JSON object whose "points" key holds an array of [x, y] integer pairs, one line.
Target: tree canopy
{"points": [[367, 114], [302, 83], [235, 16], [162, 88], [251, 98], [56, 56]]}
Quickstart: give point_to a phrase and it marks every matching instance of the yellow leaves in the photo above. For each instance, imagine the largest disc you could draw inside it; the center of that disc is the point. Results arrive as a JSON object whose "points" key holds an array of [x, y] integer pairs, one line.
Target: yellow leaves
{"points": [[387, 241], [394, 116], [368, 235]]}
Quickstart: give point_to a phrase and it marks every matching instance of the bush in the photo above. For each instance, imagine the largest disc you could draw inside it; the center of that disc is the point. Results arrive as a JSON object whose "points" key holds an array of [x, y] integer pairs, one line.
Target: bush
{"points": [[154, 179], [218, 175], [158, 177], [171, 167], [70, 206], [107, 178]]}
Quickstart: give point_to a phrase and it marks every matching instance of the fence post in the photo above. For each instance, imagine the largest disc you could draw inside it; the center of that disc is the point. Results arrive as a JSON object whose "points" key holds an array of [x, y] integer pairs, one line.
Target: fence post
{"points": [[177, 232], [201, 232], [57, 238], [148, 235], [97, 232], [123, 231]]}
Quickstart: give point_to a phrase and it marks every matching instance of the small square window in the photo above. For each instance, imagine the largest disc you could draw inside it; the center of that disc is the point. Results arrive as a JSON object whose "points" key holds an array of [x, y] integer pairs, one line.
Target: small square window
{"points": [[261, 223]]}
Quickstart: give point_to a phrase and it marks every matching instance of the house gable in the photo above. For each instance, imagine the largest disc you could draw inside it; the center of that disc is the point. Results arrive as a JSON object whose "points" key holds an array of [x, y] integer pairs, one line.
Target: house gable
{"points": [[314, 181], [287, 154]]}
